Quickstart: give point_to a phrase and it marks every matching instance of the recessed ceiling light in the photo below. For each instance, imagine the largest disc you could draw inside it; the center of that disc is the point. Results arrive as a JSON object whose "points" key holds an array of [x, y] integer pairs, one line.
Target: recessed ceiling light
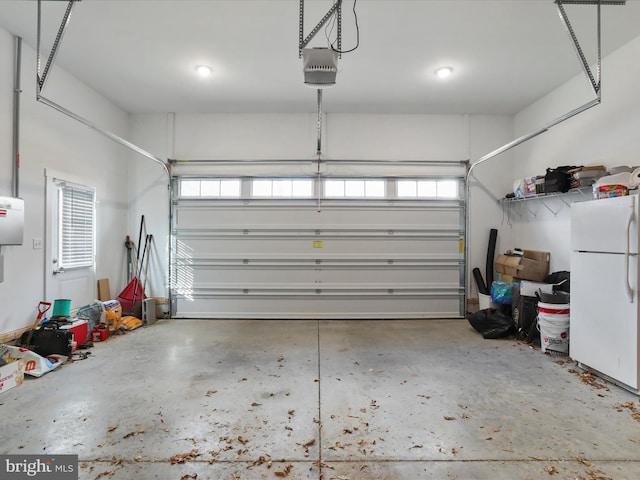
{"points": [[444, 72], [204, 70]]}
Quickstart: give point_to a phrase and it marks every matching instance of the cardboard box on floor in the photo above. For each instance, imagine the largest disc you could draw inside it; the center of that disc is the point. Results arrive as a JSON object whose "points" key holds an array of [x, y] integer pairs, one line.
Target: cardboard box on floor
{"points": [[11, 374], [533, 265]]}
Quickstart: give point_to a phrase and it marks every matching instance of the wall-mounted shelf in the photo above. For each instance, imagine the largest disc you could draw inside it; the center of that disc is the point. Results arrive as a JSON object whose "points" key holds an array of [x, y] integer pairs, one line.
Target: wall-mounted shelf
{"points": [[548, 200]]}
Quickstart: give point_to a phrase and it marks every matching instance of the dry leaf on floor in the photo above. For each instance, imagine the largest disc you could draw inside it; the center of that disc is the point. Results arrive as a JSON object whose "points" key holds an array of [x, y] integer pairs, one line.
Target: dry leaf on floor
{"points": [[589, 378], [308, 443], [109, 473], [551, 470], [136, 432], [188, 476], [112, 428], [593, 475], [284, 472], [261, 460], [210, 392], [447, 417], [183, 457], [585, 462], [243, 440], [254, 404]]}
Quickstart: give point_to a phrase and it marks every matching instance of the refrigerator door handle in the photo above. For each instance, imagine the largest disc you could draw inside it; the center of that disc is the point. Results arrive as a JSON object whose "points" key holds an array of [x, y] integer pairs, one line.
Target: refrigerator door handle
{"points": [[626, 253]]}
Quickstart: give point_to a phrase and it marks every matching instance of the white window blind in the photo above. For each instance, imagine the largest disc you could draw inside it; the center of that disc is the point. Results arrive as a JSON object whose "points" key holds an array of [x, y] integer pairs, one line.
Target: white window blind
{"points": [[76, 226]]}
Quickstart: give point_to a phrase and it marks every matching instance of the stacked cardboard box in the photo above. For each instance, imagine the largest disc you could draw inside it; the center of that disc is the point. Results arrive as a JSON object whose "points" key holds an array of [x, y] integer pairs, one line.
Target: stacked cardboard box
{"points": [[532, 265]]}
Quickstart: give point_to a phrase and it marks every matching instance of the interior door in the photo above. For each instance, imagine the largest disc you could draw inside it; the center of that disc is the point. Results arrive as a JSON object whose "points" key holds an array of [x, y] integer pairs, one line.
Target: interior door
{"points": [[78, 284]]}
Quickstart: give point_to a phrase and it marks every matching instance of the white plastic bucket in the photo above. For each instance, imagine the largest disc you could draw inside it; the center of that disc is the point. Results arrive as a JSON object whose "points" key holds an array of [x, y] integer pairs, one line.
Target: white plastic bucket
{"points": [[554, 332], [553, 308]]}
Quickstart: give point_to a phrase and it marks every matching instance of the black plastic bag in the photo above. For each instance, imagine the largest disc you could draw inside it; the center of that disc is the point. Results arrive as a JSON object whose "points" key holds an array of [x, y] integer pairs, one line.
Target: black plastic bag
{"points": [[492, 323]]}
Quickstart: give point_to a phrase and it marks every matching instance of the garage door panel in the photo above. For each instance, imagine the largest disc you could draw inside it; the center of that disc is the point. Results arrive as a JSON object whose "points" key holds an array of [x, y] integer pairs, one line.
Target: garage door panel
{"points": [[248, 246], [391, 277], [219, 218], [244, 276], [319, 306]]}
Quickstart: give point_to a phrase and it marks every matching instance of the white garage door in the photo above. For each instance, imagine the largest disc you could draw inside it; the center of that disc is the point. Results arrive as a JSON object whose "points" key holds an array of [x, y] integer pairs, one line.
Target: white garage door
{"points": [[321, 246]]}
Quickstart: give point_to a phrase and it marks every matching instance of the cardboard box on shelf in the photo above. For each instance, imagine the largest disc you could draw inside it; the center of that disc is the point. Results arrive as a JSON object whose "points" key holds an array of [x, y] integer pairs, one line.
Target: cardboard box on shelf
{"points": [[533, 265]]}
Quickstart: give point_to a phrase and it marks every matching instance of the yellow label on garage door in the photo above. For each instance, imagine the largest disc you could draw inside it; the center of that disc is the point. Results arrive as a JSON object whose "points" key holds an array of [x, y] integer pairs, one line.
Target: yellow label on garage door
{"points": [[318, 244]]}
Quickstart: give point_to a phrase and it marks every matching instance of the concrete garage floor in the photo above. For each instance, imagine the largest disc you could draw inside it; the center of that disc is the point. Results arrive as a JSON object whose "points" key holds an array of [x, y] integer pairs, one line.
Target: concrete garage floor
{"points": [[331, 399]]}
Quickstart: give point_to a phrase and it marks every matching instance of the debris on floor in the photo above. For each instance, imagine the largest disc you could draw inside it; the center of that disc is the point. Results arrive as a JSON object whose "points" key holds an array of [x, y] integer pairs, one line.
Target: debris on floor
{"points": [[184, 457], [589, 378], [632, 407]]}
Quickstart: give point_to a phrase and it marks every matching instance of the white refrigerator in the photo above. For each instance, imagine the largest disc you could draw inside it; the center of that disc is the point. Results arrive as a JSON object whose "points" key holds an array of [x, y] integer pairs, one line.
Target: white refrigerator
{"points": [[604, 333]]}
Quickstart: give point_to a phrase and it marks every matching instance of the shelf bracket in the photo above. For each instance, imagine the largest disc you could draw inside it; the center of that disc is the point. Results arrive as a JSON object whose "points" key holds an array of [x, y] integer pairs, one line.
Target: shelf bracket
{"points": [[554, 212]]}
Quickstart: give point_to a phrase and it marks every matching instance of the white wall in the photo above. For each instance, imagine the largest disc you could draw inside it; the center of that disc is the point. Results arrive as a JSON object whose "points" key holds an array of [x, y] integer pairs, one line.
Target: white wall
{"points": [[50, 140], [606, 134], [486, 134]]}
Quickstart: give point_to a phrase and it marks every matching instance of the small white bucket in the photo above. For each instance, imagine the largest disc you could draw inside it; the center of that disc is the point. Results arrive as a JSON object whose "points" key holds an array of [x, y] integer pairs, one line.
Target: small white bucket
{"points": [[553, 308], [554, 332]]}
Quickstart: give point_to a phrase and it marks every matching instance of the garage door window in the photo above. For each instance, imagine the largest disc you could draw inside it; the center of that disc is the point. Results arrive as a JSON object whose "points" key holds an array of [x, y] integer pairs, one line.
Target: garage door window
{"points": [[282, 188], [445, 189], [210, 188], [354, 188]]}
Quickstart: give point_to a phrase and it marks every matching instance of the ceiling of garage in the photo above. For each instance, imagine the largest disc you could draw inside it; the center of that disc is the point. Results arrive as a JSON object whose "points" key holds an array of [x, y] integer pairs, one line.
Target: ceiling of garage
{"points": [[142, 54]]}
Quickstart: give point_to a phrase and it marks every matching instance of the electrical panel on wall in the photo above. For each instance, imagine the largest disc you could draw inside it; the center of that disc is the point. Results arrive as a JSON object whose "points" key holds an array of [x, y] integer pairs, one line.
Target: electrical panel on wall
{"points": [[11, 221]]}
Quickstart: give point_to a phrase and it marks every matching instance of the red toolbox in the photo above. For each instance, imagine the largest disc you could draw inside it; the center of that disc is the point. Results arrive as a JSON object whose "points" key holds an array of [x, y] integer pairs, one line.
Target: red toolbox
{"points": [[80, 330]]}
